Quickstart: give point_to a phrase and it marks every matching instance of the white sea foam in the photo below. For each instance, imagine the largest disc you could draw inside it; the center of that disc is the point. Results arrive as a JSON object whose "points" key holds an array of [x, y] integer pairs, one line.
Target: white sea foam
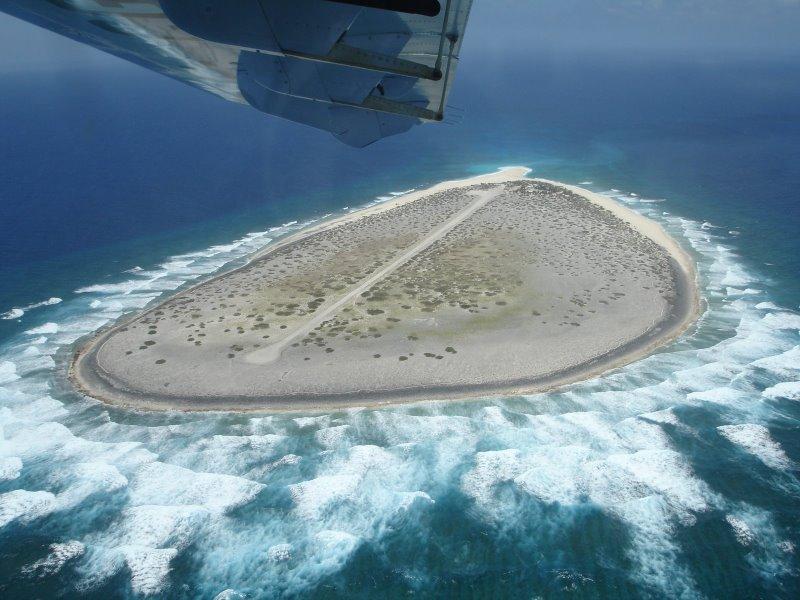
{"points": [[10, 467], [493, 415], [768, 306], [47, 328], [25, 506], [32, 359], [99, 565], [124, 287], [8, 372], [756, 529], [16, 313], [666, 416], [646, 489], [785, 364], [89, 478], [741, 530], [149, 568], [230, 594], [756, 440], [723, 396], [736, 276], [654, 549], [321, 420], [731, 291], [59, 555], [625, 466], [786, 389], [409, 499], [158, 526], [81, 480], [314, 497], [786, 546], [331, 436], [491, 468], [160, 483], [783, 320], [54, 440], [280, 552], [230, 454]]}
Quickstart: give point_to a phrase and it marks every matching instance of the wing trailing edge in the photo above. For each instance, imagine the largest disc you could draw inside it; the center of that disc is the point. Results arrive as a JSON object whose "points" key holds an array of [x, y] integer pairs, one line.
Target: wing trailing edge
{"points": [[360, 69]]}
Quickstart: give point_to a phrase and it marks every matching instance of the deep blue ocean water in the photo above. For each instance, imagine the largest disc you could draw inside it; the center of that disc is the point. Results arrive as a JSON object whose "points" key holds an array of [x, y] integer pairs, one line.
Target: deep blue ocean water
{"points": [[674, 477]]}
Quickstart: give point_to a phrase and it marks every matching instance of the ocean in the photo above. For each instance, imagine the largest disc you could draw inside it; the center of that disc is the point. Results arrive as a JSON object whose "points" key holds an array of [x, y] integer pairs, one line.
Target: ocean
{"points": [[676, 476]]}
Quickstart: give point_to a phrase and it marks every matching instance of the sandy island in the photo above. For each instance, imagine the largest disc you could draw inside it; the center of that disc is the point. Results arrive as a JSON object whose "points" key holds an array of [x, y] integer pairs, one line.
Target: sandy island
{"points": [[496, 284]]}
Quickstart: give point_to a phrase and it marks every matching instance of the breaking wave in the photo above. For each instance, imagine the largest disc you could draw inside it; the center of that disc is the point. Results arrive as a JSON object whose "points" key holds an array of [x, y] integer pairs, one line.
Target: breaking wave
{"points": [[614, 486], [18, 312]]}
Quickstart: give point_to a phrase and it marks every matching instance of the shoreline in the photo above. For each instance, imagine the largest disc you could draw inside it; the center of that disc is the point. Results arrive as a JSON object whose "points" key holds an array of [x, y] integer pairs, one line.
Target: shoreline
{"points": [[88, 377]]}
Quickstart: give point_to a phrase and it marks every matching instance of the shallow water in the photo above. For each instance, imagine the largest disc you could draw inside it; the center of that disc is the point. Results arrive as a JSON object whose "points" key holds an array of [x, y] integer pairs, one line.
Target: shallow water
{"points": [[674, 476]]}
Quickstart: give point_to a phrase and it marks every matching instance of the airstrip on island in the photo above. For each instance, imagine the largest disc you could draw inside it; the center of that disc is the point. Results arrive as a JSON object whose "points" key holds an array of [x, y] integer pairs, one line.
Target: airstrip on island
{"points": [[491, 285]]}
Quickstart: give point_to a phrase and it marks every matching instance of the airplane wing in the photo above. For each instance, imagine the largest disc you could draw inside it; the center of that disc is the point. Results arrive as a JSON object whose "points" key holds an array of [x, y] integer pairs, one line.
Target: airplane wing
{"points": [[360, 69]]}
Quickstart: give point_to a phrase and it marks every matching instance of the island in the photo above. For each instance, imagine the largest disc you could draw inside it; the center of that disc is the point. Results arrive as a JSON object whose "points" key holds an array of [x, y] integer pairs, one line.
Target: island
{"points": [[493, 285]]}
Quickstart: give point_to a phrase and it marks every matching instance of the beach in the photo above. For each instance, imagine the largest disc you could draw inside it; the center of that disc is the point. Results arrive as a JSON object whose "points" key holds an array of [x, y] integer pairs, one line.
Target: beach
{"points": [[497, 284]]}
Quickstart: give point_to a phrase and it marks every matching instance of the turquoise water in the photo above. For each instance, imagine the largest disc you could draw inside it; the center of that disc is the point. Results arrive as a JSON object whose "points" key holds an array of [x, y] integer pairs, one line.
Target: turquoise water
{"points": [[673, 477]]}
